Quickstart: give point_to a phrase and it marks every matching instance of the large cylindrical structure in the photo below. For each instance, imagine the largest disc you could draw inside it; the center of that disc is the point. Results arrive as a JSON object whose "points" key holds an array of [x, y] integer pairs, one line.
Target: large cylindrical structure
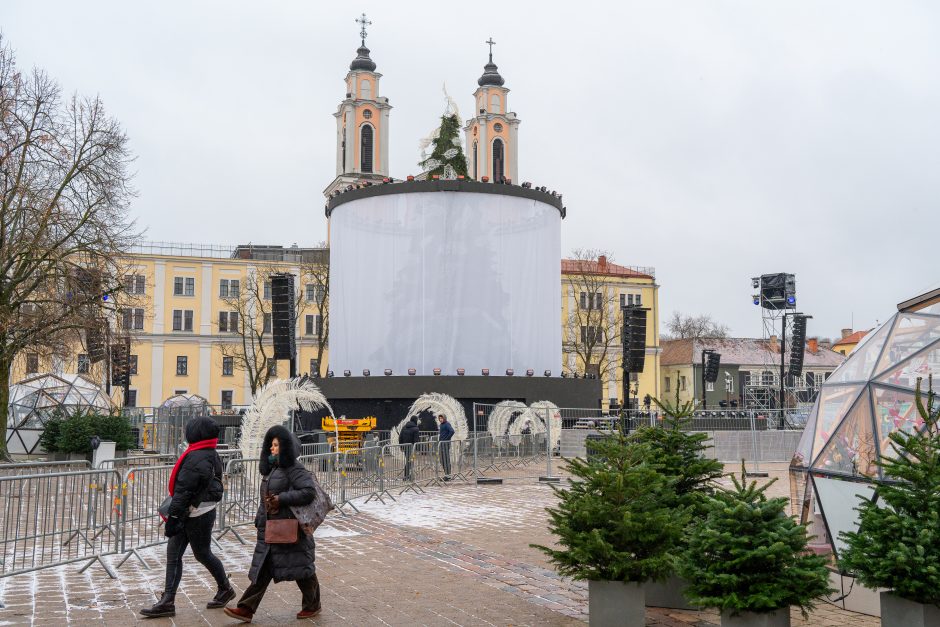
{"points": [[445, 275]]}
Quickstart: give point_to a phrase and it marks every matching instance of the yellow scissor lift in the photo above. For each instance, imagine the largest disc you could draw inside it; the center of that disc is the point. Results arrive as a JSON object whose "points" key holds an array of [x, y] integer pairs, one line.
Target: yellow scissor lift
{"points": [[347, 434]]}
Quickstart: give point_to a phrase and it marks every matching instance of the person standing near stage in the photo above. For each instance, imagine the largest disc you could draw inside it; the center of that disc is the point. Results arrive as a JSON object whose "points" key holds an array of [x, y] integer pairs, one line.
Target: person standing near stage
{"points": [[409, 436], [195, 489], [445, 434]]}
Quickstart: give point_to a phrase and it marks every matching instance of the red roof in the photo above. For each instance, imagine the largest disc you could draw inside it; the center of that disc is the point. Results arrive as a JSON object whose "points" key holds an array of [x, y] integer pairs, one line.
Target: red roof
{"points": [[601, 266], [855, 338]]}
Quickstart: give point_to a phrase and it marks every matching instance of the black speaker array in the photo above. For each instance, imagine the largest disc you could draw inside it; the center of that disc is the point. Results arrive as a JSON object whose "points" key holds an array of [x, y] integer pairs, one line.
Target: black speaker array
{"points": [[633, 337], [797, 346], [283, 316], [712, 361], [120, 364], [94, 341]]}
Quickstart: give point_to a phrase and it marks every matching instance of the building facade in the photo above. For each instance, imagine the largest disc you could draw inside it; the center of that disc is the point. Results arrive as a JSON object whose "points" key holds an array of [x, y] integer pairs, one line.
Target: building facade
{"points": [[748, 375]]}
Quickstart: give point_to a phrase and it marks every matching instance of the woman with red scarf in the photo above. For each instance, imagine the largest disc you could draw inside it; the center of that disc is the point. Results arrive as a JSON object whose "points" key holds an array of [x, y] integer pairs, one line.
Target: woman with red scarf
{"points": [[196, 488]]}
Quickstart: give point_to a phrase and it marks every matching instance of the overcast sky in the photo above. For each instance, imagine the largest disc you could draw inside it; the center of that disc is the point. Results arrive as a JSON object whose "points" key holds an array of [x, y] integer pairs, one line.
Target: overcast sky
{"points": [[712, 140]]}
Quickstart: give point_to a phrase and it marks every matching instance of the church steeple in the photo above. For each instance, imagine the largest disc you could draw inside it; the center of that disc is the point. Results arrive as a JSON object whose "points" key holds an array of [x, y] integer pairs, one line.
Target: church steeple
{"points": [[361, 122], [492, 134]]}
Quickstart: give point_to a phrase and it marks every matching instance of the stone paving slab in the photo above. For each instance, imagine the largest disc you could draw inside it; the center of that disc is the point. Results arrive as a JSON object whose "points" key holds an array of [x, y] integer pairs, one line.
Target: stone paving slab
{"points": [[456, 555]]}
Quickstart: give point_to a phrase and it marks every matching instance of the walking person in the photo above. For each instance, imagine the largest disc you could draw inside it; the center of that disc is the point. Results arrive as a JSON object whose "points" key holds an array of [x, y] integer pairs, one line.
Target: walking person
{"points": [[445, 433], [196, 488], [409, 436], [285, 483]]}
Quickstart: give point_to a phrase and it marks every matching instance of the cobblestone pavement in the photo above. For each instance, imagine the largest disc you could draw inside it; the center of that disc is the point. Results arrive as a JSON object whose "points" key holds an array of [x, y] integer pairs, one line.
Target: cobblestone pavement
{"points": [[456, 555]]}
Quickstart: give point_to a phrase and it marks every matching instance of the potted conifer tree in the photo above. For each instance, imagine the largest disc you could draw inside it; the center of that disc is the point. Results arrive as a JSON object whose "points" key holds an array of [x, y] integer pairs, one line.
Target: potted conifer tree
{"points": [[679, 455], [897, 545], [749, 559], [615, 529]]}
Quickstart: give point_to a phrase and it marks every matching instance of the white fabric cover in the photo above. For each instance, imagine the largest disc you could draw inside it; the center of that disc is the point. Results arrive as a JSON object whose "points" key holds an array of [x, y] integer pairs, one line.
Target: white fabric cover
{"points": [[445, 280]]}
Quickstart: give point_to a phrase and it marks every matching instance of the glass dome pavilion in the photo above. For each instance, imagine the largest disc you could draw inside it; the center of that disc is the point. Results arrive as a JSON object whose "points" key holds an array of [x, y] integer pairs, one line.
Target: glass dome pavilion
{"points": [[869, 396]]}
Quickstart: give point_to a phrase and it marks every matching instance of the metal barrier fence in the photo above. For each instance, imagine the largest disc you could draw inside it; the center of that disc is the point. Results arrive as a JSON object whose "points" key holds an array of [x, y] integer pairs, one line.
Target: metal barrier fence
{"points": [[30, 468]]}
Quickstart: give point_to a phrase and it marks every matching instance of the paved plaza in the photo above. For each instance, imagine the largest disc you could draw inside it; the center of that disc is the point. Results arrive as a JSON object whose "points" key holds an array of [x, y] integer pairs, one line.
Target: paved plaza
{"points": [[456, 555]]}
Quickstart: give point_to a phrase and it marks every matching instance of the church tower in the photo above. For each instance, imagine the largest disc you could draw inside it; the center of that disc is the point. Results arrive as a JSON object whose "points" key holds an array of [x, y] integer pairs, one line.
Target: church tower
{"points": [[361, 123], [492, 134]]}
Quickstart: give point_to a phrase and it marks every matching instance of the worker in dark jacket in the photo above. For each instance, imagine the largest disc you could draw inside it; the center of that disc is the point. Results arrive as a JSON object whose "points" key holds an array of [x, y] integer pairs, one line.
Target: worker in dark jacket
{"points": [[410, 434], [196, 488], [445, 433], [285, 483]]}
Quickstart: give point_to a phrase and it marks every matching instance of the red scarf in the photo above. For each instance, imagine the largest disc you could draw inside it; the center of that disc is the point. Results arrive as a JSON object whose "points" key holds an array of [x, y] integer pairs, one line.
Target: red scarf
{"points": [[195, 446]]}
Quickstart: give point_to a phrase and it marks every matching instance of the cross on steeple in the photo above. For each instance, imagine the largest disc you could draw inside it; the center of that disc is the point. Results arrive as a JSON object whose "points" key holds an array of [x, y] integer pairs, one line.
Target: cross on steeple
{"points": [[491, 44], [362, 21]]}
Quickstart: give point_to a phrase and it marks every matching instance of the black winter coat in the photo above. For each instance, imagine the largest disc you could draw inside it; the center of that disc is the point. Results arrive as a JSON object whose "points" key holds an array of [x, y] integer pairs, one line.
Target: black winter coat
{"points": [[199, 477], [410, 433], [294, 486]]}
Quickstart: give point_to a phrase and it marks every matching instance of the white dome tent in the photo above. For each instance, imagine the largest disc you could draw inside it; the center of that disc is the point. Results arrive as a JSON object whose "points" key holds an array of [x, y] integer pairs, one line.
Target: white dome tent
{"points": [[867, 398], [36, 399]]}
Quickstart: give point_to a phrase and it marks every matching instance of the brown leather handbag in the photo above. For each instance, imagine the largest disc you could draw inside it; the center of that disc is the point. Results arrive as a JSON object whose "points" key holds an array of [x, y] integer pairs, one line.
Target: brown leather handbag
{"points": [[281, 531]]}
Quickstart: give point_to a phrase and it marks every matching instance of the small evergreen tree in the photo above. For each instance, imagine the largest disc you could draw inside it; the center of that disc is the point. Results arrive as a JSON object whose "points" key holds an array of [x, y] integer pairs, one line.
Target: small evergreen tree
{"points": [[897, 545], [613, 522], [679, 454], [747, 555], [447, 159]]}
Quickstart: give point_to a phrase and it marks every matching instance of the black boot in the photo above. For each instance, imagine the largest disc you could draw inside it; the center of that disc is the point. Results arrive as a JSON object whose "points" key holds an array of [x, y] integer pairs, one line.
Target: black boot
{"points": [[166, 606], [223, 596]]}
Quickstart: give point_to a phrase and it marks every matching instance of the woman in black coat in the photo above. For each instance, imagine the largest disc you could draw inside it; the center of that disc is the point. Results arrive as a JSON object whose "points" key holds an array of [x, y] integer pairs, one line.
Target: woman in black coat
{"points": [[285, 483], [196, 489]]}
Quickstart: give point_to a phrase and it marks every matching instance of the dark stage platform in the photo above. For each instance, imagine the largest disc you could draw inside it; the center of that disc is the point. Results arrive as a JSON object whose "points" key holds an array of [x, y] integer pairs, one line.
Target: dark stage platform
{"points": [[388, 398]]}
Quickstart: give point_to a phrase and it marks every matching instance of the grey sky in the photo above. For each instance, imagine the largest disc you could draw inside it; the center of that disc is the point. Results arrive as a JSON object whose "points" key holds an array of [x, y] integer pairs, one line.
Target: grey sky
{"points": [[712, 140]]}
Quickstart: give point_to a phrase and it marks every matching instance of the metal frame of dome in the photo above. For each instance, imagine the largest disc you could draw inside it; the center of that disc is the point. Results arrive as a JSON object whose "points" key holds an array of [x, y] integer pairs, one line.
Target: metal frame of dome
{"points": [[35, 399], [865, 399]]}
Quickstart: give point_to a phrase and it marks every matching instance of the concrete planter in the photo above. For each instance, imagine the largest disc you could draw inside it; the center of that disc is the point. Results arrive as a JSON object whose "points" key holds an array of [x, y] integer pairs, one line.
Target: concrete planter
{"points": [[616, 604], [779, 618], [898, 612], [669, 594]]}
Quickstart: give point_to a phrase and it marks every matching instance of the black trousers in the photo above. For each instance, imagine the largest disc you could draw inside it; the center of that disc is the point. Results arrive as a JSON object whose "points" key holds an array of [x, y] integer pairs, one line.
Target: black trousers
{"points": [[309, 588], [197, 533], [409, 451], [445, 457]]}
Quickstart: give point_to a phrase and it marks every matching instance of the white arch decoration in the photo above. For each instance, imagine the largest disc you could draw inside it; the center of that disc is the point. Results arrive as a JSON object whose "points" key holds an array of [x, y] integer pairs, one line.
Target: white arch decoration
{"points": [[536, 415], [501, 416], [272, 406], [438, 404]]}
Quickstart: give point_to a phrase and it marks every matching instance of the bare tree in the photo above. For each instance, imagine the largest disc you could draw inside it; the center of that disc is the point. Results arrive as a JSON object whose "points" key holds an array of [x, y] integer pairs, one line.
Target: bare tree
{"points": [[592, 326], [64, 194], [251, 345], [682, 326]]}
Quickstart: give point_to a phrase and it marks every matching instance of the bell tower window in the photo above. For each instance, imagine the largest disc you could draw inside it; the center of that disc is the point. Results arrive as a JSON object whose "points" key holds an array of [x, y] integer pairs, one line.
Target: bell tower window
{"points": [[365, 87], [365, 149], [494, 103], [498, 158]]}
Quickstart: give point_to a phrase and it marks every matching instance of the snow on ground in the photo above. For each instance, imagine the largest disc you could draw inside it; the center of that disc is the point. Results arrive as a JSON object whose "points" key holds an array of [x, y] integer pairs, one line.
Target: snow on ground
{"points": [[325, 531]]}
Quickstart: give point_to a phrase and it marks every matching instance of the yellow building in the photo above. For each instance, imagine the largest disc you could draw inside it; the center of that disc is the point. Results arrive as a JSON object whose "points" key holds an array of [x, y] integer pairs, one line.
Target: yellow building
{"points": [[201, 323], [593, 292]]}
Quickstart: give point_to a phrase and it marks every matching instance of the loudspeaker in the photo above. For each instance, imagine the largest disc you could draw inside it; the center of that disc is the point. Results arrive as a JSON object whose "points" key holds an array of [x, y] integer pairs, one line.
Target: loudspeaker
{"points": [[94, 342], [633, 338], [797, 346], [712, 361], [120, 365], [283, 316], [778, 291]]}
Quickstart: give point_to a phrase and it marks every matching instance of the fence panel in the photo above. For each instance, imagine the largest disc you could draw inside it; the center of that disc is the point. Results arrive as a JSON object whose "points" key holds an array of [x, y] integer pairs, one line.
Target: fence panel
{"points": [[50, 519], [32, 468], [144, 488]]}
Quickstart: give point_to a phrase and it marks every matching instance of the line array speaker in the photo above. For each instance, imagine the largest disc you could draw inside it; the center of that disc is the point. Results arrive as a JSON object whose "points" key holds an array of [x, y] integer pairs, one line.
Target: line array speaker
{"points": [[283, 316], [797, 346], [94, 341], [120, 364], [633, 337]]}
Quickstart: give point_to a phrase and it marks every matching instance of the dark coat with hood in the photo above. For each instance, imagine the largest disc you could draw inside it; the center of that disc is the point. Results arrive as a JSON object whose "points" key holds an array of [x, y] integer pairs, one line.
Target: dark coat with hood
{"points": [[293, 485], [199, 478], [410, 433]]}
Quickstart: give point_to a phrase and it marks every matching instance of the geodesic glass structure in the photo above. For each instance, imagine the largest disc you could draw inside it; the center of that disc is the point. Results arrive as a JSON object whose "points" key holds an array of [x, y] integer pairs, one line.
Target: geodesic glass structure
{"points": [[859, 406], [36, 399]]}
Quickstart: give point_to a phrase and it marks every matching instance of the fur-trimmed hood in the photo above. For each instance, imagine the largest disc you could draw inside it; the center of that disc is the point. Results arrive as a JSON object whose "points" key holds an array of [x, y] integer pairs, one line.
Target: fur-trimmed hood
{"points": [[289, 451]]}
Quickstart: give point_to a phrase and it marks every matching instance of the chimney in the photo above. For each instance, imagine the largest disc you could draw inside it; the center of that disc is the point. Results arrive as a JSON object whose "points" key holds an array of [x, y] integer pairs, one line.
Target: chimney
{"points": [[813, 345], [825, 342], [774, 345], [602, 263], [846, 333]]}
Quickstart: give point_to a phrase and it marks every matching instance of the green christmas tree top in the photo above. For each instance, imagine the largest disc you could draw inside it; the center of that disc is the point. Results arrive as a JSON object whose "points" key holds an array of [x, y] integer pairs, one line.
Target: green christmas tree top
{"points": [[897, 545], [679, 454], [748, 555], [613, 522], [447, 159]]}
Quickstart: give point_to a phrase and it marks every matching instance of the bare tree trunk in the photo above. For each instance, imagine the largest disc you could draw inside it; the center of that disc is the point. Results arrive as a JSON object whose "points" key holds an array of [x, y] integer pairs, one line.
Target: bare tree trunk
{"points": [[6, 366]]}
